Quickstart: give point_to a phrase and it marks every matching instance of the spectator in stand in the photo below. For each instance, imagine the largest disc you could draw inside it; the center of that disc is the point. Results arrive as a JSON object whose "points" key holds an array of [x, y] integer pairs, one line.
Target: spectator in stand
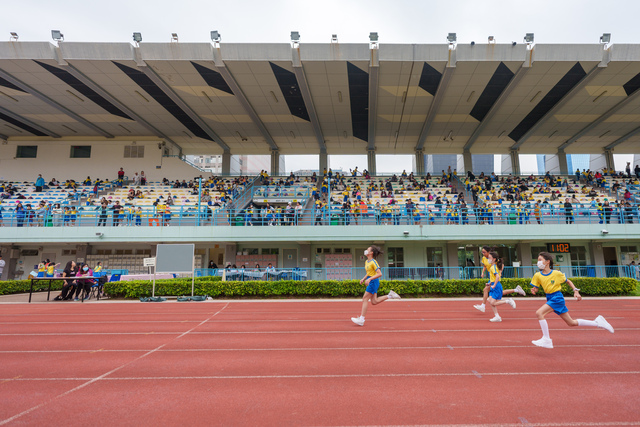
{"points": [[136, 179], [121, 174], [637, 171], [143, 178], [39, 183], [117, 207], [628, 169]]}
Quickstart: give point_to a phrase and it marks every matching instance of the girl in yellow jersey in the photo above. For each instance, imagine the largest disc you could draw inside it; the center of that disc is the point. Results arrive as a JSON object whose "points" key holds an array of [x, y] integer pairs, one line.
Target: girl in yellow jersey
{"points": [[372, 280], [551, 282], [495, 292], [51, 268], [486, 265]]}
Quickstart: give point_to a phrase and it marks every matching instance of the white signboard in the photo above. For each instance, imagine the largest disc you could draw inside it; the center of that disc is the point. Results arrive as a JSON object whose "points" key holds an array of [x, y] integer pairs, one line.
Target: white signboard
{"points": [[149, 262]]}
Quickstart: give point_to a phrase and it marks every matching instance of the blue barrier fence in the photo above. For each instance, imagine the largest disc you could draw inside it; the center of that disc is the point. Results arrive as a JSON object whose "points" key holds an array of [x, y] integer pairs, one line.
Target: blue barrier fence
{"points": [[398, 215]]}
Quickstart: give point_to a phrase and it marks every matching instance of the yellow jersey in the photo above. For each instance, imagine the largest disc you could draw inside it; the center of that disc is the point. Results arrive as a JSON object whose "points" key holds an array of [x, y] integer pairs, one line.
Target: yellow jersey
{"points": [[550, 283], [493, 272], [486, 263], [371, 266], [50, 268]]}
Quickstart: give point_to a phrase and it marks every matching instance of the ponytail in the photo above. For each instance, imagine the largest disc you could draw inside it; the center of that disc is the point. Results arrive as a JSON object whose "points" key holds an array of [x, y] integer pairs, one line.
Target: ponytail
{"points": [[499, 261]]}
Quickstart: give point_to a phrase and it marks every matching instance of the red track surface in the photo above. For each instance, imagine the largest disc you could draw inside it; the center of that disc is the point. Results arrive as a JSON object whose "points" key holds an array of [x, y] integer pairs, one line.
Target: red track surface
{"points": [[424, 362]]}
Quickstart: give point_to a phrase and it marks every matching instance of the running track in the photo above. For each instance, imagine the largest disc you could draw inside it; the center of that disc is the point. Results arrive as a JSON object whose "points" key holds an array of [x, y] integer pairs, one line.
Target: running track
{"points": [[274, 363]]}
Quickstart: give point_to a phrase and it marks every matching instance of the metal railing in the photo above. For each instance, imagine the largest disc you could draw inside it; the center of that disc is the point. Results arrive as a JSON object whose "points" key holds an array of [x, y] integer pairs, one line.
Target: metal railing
{"points": [[370, 215], [413, 273]]}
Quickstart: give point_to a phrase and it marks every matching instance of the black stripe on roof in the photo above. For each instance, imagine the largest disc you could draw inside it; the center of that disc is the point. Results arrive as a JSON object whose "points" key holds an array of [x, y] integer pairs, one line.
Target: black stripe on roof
{"points": [[290, 91], [21, 125], [566, 83], [212, 78], [632, 85], [359, 97], [497, 84], [76, 84], [430, 79], [9, 85], [163, 99]]}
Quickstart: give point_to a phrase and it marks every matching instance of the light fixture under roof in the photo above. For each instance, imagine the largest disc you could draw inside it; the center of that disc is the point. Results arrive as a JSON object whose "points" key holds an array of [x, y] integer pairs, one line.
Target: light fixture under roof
{"points": [[605, 38], [137, 37], [174, 37], [14, 36], [334, 38], [528, 38], [215, 36], [492, 39], [295, 36], [452, 38], [57, 35], [373, 37]]}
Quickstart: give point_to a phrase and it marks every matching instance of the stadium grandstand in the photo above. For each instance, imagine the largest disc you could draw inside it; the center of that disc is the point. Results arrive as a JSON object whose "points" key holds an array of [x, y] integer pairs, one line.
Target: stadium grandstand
{"points": [[98, 141]]}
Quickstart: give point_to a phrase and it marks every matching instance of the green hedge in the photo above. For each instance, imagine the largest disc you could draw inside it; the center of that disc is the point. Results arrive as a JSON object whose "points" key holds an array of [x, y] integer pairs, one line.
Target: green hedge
{"points": [[214, 287], [21, 286]]}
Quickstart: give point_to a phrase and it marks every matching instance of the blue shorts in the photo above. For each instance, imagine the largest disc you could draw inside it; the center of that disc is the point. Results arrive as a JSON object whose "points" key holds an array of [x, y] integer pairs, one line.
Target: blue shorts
{"points": [[40, 273], [556, 301], [496, 293], [373, 286]]}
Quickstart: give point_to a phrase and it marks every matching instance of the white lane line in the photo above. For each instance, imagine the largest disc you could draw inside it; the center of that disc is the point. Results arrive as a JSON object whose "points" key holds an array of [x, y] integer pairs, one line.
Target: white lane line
{"points": [[178, 350], [103, 376], [357, 331], [269, 377]]}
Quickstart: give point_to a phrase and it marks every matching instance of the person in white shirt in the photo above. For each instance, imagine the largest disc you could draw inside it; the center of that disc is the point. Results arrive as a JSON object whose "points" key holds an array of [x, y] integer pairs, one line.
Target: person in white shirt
{"points": [[270, 271], [1, 266], [136, 179]]}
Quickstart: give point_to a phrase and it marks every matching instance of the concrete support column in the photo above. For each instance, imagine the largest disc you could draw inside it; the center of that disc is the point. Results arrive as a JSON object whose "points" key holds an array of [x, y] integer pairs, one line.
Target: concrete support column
{"points": [[562, 161], [226, 163], [323, 161], [468, 163], [230, 251], [420, 162], [524, 256], [275, 163], [371, 162], [452, 261], [597, 257], [305, 254], [515, 162], [608, 155]]}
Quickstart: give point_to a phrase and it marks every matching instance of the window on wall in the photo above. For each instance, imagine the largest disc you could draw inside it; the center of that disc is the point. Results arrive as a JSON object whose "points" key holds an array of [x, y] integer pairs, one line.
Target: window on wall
{"points": [[270, 251], [27, 152], [80, 151], [628, 249], [396, 257], [578, 256], [434, 257], [137, 151], [535, 250]]}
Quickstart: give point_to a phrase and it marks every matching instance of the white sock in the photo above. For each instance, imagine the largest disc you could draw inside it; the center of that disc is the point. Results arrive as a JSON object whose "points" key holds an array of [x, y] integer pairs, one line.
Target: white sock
{"points": [[545, 328], [582, 322]]}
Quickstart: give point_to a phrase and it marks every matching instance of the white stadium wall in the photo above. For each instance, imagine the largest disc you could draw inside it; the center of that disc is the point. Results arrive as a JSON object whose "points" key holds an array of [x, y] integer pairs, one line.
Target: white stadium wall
{"points": [[107, 157]]}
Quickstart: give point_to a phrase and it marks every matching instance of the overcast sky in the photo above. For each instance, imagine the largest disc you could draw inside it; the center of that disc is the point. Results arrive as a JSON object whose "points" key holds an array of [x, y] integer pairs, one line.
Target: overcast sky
{"points": [[398, 21]]}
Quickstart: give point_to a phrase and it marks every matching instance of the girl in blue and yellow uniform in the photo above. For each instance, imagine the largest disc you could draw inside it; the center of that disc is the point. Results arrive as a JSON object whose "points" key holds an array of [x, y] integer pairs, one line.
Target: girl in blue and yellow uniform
{"points": [[372, 280], [551, 282], [51, 268], [486, 265], [495, 292]]}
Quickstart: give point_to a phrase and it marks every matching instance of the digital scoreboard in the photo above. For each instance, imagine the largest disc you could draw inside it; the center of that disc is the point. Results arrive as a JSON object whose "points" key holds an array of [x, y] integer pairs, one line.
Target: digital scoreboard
{"points": [[559, 248]]}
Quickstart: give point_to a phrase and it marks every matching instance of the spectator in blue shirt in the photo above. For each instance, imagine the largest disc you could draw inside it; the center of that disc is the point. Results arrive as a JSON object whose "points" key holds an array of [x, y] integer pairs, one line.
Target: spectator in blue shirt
{"points": [[39, 183]]}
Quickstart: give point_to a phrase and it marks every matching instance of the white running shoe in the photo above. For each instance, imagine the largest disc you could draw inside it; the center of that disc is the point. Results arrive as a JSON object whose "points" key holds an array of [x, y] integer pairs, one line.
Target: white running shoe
{"points": [[479, 307], [511, 302], [602, 323], [520, 291], [393, 295], [496, 318], [543, 342], [358, 321]]}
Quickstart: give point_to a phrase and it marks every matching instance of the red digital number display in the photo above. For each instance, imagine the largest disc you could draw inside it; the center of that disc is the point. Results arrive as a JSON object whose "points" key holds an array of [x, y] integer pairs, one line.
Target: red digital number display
{"points": [[561, 248]]}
